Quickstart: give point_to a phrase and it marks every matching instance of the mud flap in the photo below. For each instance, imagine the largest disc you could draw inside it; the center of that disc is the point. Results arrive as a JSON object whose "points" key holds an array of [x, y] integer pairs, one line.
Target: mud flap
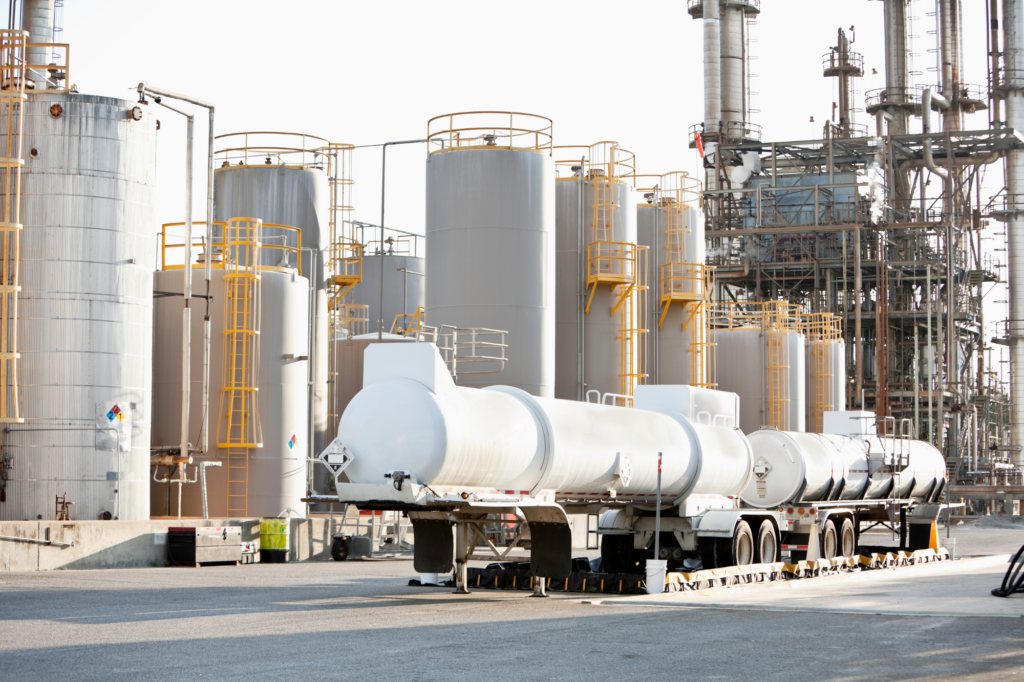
{"points": [[550, 541], [434, 548]]}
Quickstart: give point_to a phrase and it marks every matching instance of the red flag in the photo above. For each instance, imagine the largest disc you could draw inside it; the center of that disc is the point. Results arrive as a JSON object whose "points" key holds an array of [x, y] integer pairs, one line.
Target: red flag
{"points": [[700, 145]]}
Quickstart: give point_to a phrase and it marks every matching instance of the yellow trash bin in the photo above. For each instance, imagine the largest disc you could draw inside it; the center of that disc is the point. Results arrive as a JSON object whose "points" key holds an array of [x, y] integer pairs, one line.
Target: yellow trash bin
{"points": [[275, 540]]}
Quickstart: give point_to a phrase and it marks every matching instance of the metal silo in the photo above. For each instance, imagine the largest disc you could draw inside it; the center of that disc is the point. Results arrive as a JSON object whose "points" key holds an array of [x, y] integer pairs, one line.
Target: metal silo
{"points": [[85, 306], [760, 349], [600, 274], [404, 288], [283, 178], [274, 474], [490, 238], [825, 358], [671, 225]]}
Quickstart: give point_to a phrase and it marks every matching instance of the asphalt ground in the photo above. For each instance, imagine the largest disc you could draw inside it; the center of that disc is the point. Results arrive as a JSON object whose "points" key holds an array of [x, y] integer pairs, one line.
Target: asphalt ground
{"points": [[361, 620]]}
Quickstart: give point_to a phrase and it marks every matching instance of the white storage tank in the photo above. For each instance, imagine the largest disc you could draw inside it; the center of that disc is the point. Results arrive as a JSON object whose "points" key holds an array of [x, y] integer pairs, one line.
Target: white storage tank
{"points": [[744, 368], [490, 238], [276, 476], [603, 222], [825, 365], [281, 179], [670, 224], [404, 291], [85, 309]]}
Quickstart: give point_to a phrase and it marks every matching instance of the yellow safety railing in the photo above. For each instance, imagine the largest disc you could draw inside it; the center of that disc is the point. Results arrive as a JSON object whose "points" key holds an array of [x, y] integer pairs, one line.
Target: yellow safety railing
{"points": [[607, 157], [632, 362], [345, 261], [280, 251], [408, 324], [272, 148], [353, 317], [55, 74], [12, 98], [489, 130], [239, 430]]}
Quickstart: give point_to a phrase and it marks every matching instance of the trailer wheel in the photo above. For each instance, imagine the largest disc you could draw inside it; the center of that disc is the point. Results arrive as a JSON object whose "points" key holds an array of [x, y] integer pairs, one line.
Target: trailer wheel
{"points": [[767, 544], [339, 548], [829, 540], [742, 545], [847, 538]]}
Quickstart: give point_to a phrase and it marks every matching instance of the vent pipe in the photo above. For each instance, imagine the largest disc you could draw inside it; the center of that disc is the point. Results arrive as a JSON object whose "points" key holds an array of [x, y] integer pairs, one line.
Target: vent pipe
{"points": [[37, 19], [1013, 81]]}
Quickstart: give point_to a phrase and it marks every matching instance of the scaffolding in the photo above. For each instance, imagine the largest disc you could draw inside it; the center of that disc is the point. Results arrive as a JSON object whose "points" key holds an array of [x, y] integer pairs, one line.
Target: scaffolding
{"points": [[239, 431], [12, 98]]}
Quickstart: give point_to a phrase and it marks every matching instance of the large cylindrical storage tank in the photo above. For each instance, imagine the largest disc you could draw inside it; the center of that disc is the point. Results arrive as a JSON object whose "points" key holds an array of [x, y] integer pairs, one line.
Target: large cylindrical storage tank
{"points": [[85, 310], [599, 345], [404, 292], [276, 474], [671, 225], [744, 368], [825, 370], [280, 179], [490, 239]]}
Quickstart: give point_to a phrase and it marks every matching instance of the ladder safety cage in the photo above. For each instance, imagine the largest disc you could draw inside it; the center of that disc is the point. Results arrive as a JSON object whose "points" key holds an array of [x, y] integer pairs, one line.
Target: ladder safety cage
{"points": [[239, 430], [13, 55]]}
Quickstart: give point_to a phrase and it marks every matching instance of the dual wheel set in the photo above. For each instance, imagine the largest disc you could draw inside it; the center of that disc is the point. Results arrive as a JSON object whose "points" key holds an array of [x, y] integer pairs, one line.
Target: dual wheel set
{"points": [[837, 538]]}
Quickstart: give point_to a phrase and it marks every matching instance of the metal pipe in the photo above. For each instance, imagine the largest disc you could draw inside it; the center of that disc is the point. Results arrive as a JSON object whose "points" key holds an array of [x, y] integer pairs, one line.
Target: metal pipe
{"points": [[207, 267], [926, 123], [712, 78], [383, 187], [581, 289], [931, 358], [51, 543], [37, 19], [917, 387], [857, 329], [202, 473], [1013, 81]]}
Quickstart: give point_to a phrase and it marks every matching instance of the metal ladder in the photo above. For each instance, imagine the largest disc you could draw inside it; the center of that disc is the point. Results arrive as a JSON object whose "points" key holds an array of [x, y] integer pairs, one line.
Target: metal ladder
{"points": [[12, 99], [240, 429]]}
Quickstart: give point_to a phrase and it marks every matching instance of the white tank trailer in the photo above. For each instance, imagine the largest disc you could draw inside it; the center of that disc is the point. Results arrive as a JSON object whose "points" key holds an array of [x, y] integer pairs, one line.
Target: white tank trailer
{"points": [[412, 440], [85, 318], [597, 344]]}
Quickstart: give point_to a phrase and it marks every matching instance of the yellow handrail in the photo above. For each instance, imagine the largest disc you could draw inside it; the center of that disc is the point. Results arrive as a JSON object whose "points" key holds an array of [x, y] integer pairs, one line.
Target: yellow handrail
{"points": [[489, 130], [271, 148], [57, 69], [275, 256]]}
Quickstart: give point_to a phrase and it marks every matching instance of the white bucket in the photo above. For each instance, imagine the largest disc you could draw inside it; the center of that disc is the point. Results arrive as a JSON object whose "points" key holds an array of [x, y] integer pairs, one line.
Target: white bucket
{"points": [[428, 579], [656, 576]]}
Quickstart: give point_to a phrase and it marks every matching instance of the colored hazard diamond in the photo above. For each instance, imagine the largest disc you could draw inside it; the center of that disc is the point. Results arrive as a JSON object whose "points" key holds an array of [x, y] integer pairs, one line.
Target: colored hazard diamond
{"points": [[116, 409], [120, 416], [110, 416]]}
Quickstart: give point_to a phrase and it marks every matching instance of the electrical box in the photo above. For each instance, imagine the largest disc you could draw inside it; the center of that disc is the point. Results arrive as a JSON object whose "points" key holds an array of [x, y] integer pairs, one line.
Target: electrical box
{"points": [[209, 545]]}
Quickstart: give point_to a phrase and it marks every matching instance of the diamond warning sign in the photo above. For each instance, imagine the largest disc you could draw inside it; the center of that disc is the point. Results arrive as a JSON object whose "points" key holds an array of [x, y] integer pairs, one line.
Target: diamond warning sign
{"points": [[293, 442]]}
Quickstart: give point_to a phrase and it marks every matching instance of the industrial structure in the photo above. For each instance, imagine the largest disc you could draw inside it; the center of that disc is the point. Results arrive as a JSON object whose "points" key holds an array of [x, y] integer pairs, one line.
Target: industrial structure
{"points": [[773, 357]]}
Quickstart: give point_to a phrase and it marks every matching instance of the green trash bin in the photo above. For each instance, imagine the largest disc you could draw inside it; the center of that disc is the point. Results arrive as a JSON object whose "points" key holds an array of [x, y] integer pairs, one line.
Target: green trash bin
{"points": [[275, 539]]}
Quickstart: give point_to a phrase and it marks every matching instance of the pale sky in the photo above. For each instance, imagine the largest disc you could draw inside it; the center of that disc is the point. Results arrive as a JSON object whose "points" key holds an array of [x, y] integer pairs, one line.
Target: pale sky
{"points": [[369, 72]]}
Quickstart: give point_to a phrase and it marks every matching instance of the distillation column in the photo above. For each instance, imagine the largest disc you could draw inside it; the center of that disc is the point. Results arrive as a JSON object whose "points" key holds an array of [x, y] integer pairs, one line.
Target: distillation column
{"points": [[896, 72], [1013, 56]]}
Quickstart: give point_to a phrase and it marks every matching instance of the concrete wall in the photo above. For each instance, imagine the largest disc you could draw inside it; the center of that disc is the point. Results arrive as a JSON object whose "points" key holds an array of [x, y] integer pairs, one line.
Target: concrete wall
{"points": [[127, 544]]}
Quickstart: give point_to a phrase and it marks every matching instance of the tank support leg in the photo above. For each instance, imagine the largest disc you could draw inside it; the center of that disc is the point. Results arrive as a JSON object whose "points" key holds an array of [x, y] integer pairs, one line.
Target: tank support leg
{"points": [[903, 527], [461, 557], [538, 587]]}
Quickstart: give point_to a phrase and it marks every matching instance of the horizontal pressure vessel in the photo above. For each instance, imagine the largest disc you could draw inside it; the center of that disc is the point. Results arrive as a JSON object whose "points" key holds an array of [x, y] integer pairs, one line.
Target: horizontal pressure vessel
{"points": [[792, 467], [411, 417]]}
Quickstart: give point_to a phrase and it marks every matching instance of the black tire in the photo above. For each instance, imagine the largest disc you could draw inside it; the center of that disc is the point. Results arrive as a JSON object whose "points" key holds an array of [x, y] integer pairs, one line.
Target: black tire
{"points": [[767, 548], [847, 538], [742, 545], [829, 540], [339, 548]]}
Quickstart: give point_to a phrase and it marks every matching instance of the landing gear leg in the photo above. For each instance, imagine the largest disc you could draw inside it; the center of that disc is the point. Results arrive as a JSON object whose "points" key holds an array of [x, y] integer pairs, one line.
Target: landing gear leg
{"points": [[461, 557], [538, 587]]}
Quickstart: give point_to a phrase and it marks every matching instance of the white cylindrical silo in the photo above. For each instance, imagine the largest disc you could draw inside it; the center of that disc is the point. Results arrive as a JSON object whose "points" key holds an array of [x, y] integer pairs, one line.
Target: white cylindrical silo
{"points": [[490, 239], [276, 475], [85, 310], [600, 344], [825, 380], [671, 226], [411, 417], [280, 179], [403, 291]]}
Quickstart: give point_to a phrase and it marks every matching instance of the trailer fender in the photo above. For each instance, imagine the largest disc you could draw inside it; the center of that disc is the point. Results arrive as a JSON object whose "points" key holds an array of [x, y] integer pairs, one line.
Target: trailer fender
{"points": [[550, 540], [434, 549]]}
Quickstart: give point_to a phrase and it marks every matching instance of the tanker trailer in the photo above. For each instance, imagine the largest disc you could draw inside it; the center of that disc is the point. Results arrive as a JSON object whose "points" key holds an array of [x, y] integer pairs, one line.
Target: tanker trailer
{"points": [[412, 440], [824, 486]]}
